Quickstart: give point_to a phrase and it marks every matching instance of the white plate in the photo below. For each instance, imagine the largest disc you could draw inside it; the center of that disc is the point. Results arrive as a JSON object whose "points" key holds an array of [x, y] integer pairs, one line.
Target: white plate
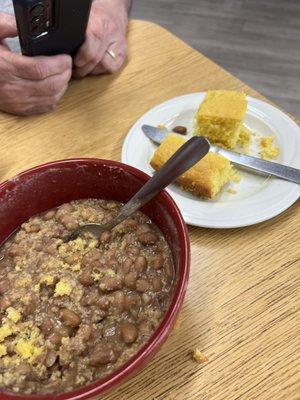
{"points": [[258, 198]]}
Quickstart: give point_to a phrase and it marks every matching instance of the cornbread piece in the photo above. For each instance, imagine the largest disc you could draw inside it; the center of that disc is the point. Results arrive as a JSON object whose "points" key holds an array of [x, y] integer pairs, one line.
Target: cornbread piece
{"points": [[269, 149], [205, 179], [220, 117]]}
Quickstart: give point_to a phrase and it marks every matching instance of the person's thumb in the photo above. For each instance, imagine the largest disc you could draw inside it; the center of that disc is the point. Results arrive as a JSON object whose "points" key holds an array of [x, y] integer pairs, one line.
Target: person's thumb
{"points": [[8, 26]]}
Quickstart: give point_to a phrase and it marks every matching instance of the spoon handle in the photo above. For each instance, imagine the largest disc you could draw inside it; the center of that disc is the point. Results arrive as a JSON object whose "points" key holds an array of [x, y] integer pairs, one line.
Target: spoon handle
{"points": [[181, 161]]}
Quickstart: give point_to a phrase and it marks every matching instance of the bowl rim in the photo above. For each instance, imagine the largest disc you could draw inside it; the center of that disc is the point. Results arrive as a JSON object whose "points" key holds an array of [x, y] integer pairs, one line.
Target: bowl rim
{"points": [[139, 360]]}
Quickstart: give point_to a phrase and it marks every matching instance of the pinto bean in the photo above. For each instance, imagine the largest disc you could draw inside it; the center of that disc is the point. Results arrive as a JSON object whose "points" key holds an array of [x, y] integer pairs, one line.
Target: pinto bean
{"points": [[85, 332], [140, 264], [50, 359], [5, 302], [63, 210], [23, 369], [143, 228], [34, 228], [55, 338], [130, 223], [47, 326], [132, 302], [51, 249], [146, 298], [126, 265], [105, 237], [86, 278], [148, 238], [134, 250], [4, 286], [30, 307], [69, 222], [102, 355], [103, 303], [16, 250], [144, 328], [169, 269], [129, 332], [70, 318], [119, 298], [92, 258], [157, 284], [142, 285], [130, 280], [111, 283], [49, 215], [157, 261]]}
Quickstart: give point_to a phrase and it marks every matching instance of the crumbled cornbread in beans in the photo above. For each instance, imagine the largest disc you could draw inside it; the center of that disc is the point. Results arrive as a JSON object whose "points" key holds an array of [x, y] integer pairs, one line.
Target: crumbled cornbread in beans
{"points": [[73, 312]]}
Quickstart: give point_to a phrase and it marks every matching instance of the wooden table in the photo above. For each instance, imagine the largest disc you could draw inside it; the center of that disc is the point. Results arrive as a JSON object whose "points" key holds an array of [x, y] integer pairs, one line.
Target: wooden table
{"points": [[242, 301]]}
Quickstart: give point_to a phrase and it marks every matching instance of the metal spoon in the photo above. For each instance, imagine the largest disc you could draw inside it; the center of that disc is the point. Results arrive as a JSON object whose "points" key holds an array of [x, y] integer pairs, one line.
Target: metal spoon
{"points": [[182, 160]]}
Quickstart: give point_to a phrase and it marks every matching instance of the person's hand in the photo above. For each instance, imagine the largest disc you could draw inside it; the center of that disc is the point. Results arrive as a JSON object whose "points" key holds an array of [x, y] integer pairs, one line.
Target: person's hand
{"points": [[106, 32], [29, 85]]}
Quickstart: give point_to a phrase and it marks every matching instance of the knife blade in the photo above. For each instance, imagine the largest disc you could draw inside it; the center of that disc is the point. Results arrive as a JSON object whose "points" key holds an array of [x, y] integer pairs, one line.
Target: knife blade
{"points": [[253, 164]]}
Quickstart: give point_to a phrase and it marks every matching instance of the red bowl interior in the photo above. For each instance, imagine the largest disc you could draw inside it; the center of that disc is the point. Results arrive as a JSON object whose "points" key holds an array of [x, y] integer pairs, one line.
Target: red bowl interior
{"points": [[50, 185]]}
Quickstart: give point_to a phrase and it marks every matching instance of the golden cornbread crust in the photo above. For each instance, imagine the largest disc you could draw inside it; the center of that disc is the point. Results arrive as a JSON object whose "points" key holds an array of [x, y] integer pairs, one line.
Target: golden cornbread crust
{"points": [[205, 179], [220, 117]]}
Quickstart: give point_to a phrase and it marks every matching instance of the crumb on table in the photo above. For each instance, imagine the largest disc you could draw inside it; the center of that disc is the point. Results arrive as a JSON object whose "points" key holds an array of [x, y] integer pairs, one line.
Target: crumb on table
{"points": [[199, 357]]}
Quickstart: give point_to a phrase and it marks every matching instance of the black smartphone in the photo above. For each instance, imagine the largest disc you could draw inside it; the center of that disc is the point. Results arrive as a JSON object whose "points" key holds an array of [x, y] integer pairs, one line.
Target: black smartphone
{"points": [[50, 27]]}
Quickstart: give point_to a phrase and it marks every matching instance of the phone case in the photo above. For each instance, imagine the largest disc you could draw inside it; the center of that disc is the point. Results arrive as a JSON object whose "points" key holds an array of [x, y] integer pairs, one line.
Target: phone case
{"points": [[50, 27]]}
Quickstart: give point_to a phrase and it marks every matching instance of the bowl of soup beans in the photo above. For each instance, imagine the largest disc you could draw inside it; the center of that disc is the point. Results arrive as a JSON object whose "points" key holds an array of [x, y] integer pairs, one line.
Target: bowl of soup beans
{"points": [[78, 317]]}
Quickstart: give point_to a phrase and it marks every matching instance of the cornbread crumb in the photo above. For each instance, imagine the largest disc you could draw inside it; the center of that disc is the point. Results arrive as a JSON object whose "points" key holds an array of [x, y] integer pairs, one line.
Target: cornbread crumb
{"points": [[76, 267], [36, 288], [3, 350], [97, 276], [220, 117], [63, 288], [244, 137], [269, 149], [205, 179], [13, 314], [27, 350], [232, 191], [160, 126], [22, 282], [47, 279], [5, 331], [235, 175], [199, 357], [110, 272]]}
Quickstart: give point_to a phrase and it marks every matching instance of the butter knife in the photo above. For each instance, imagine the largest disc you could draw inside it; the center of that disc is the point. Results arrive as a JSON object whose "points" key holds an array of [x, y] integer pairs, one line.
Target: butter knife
{"points": [[253, 164]]}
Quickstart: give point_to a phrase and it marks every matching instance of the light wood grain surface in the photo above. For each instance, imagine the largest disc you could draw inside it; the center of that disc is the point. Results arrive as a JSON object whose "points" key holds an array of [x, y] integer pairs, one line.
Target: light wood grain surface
{"points": [[241, 309]]}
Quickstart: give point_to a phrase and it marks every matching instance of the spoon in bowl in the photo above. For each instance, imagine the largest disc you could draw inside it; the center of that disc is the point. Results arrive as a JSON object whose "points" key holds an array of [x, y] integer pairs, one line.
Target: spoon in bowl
{"points": [[181, 161]]}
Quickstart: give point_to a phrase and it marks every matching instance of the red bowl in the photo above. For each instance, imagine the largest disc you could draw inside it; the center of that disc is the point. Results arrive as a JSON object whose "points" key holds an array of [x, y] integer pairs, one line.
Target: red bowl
{"points": [[52, 184]]}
